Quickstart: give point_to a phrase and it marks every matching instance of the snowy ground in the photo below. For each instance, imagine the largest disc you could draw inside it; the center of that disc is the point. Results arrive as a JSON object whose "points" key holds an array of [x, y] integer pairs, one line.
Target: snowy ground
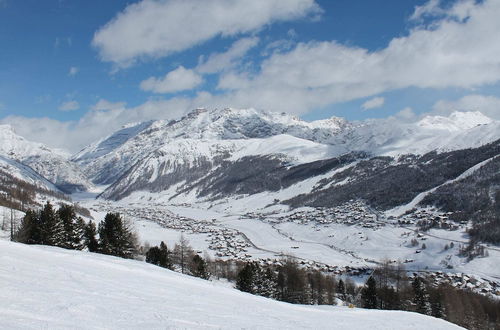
{"points": [[332, 244], [51, 288]]}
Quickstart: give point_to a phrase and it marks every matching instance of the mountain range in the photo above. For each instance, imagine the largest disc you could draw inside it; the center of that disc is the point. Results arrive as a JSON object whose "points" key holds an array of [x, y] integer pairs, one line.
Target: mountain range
{"points": [[213, 155]]}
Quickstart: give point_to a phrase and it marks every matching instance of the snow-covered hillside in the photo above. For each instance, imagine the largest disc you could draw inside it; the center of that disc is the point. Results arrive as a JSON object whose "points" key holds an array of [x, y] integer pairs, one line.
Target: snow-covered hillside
{"points": [[200, 141], [51, 288], [25, 173], [51, 164]]}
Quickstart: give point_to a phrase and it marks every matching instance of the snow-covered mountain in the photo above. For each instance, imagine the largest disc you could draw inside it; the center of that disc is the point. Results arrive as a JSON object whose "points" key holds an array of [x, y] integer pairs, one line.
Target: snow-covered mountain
{"points": [[24, 173], [194, 151], [47, 287], [51, 164]]}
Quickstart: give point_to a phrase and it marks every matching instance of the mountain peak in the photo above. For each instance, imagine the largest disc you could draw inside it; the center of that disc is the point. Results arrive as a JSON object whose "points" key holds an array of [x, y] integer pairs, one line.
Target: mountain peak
{"points": [[456, 121]]}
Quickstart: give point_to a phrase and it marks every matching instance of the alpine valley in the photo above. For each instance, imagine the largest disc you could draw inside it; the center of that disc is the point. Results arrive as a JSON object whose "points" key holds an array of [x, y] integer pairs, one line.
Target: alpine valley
{"points": [[245, 184]]}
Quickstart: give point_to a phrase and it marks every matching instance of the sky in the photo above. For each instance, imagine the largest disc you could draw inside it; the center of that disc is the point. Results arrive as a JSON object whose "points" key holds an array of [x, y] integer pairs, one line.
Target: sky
{"points": [[73, 71]]}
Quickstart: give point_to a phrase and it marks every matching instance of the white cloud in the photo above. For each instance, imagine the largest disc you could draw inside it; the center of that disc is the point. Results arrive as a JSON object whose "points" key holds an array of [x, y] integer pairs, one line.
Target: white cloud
{"points": [[373, 103], [488, 105], [453, 53], [73, 71], [155, 29], [406, 114], [177, 80], [103, 104], [95, 124], [223, 61], [69, 106], [430, 8]]}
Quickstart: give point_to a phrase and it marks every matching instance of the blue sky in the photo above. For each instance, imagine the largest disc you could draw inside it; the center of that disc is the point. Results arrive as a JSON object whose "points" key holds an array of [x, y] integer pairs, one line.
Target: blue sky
{"points": [[83, 68]]}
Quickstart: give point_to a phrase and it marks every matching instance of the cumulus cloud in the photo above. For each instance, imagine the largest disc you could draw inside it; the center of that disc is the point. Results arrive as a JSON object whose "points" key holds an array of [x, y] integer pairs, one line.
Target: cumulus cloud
{"points": [[406, 114], [223, 61], [453, 53], [177, 80], [373, 103], [486, 104], [103, 119], [155, 29], [69, 106], [103, 104], [430, 8], [73, 71]]}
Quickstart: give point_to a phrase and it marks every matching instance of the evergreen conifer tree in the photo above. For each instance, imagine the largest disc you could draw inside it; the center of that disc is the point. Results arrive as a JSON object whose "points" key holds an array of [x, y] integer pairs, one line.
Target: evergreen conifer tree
{"points": [[369, 294], [165, 256], [71, 234], [115, 238], [420, 296], [51, 227], [341, 290], [29, 230], [80, 233], [199, 267], [245, 279], [90, 240]]}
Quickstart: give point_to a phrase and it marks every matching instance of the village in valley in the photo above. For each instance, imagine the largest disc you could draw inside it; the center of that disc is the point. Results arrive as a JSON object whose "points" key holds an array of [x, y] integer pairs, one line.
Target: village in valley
{"points": [[230, 244]]}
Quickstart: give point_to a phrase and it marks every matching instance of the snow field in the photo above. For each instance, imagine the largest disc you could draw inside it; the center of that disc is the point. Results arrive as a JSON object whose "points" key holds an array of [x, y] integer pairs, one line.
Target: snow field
{"points": [[52, 288]]}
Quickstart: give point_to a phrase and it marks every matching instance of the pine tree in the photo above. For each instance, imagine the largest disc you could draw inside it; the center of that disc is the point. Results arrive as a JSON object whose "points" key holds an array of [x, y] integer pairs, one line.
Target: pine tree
{"points": [[71, 234], [159, 256], [29, 230], [51, 227], [115, 237], [420, 296], [80, 233], [199, 267], [90, 240], [269, 288], [369, 294], [341, 290], [436, 303], [165, 256], [245, 279]]}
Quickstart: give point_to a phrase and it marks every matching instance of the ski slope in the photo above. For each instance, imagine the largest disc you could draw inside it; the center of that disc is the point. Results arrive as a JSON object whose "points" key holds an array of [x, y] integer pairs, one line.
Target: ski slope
{"points": [[52, 288]]}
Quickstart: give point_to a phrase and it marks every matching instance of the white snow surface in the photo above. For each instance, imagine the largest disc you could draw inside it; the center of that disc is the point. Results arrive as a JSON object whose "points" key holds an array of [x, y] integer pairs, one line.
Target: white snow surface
{"points": [[52, 288], [25, 173], [237, 133], [50, 163]]}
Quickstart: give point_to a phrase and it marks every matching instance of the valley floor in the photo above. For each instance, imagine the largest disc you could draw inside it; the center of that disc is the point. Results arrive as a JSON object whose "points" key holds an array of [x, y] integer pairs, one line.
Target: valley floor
{"points": [[228, 233]]}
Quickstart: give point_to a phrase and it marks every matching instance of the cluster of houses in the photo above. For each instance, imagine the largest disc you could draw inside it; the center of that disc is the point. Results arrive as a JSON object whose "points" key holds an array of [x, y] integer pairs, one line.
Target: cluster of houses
{"points": [[463, 281], [428, 218], [226, 242], [351, 213]]}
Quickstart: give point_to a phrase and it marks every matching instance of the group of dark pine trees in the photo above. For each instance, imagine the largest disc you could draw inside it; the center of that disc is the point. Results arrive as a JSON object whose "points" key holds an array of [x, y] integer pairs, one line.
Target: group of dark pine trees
{"points": [[387, 288], [63, 228], [182, 258]]}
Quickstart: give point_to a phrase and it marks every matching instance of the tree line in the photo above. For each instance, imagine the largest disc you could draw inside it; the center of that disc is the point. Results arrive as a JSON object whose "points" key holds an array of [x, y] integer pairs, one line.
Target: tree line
{"points": [[113, 236], [387, 288]]}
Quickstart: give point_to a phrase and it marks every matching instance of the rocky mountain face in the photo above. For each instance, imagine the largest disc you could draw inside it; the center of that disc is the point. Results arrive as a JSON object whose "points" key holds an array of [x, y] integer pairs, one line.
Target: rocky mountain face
{"points": [[213, 154], [52, 165], [216, 154]]}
